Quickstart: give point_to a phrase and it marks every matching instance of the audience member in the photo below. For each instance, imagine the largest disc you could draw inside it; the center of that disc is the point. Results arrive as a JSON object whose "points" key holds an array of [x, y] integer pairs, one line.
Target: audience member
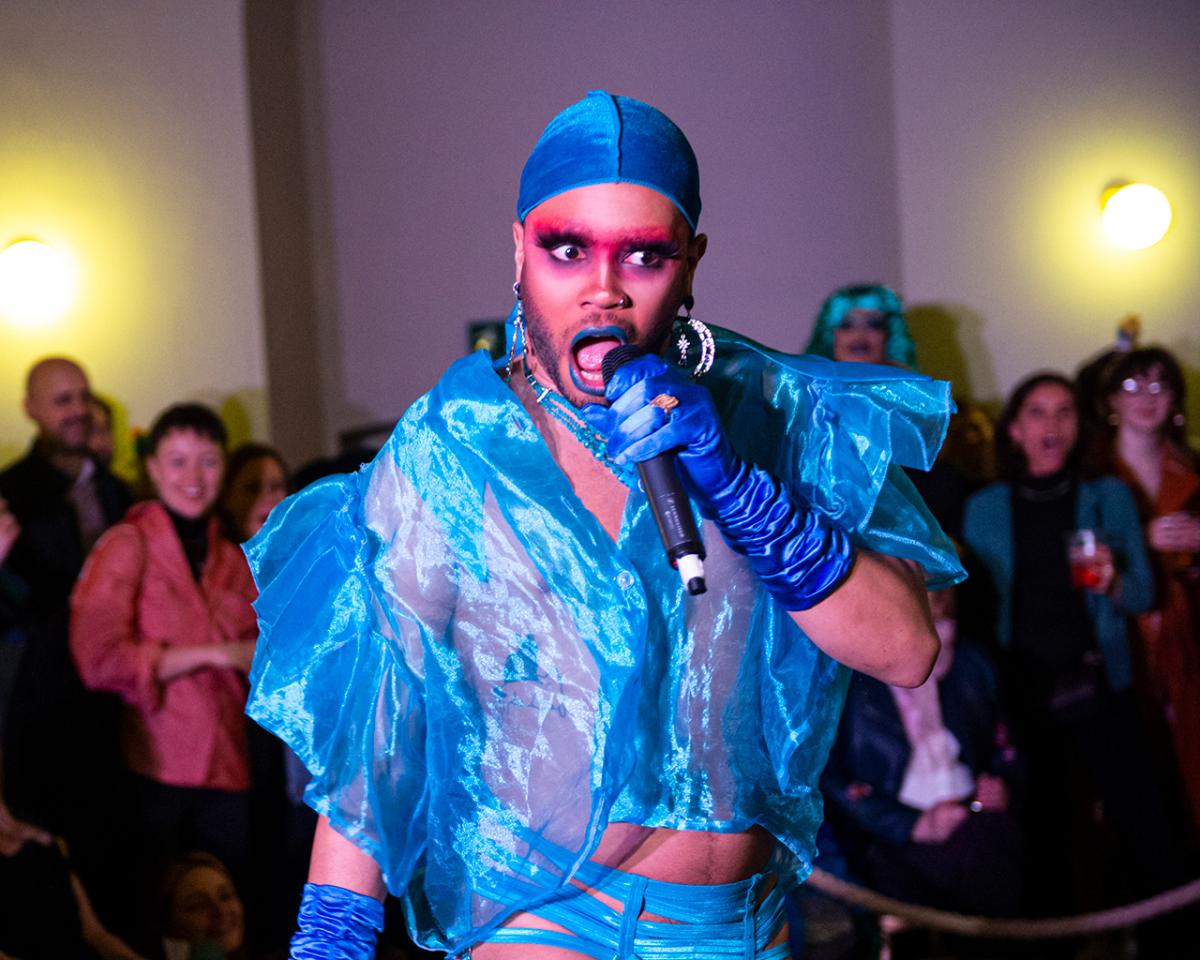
{"points": [[1145, 444], [970, 444], [1061, 624], [14, 595], [920, 782], [47, 913], [200, 911], [255, 483], [60, 742], [162, 616], [100, 437], [864, 323]]}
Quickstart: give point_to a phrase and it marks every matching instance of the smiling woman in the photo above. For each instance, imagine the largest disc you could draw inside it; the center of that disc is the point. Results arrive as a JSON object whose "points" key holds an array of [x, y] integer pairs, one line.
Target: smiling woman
{"points": [[1146, 446], [162, 616], [200, 907]]}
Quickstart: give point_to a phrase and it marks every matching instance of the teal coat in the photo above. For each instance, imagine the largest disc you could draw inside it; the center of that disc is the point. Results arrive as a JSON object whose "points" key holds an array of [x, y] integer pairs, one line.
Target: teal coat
{"points": [[1104, 505]]}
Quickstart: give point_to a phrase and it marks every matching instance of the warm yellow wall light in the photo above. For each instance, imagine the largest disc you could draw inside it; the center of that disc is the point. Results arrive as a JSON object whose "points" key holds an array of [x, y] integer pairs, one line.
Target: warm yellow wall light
{"points": [[1135, 215], [37, 283]]}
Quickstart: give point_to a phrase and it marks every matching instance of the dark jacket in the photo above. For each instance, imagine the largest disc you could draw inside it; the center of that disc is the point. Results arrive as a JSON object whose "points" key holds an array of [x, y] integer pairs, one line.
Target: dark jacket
{"points": [[867, 764], [1104, 505], [47, 557]]}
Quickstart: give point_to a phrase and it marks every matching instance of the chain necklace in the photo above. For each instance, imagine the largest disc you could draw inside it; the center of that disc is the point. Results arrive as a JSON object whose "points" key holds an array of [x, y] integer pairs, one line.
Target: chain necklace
{"points": [[561, 410]]}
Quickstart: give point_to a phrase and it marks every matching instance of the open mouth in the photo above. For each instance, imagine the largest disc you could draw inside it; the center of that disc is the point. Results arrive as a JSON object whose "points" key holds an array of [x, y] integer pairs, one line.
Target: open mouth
{"points": [[588, 350]]}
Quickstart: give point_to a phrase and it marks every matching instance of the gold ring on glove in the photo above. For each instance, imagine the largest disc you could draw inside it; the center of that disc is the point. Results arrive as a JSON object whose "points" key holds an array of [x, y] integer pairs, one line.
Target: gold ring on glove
{"points": [[665, 402]]}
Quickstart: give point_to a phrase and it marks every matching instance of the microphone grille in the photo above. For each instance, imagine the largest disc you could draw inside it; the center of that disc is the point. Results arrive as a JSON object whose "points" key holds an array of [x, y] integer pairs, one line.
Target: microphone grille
{"points": [[618, 356]]}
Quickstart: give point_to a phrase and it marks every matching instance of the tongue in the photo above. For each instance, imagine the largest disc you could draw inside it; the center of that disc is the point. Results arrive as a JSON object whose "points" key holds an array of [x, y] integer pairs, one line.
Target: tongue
{"points": [[590, 354]]}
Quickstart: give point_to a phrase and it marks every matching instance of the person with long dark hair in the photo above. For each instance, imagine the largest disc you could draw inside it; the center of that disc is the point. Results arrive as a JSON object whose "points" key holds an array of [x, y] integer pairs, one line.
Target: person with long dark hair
{"points": [[255, 483], [1061, 624]]}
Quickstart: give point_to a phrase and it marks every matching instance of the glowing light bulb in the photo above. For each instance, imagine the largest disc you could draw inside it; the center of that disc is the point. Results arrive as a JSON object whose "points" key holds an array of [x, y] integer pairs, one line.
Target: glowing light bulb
{"points": [[37, 283], [1136, 216]]}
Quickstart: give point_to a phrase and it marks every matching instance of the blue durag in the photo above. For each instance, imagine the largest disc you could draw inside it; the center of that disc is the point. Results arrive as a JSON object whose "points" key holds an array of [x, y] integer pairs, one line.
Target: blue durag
{"points": [[610, 139]]}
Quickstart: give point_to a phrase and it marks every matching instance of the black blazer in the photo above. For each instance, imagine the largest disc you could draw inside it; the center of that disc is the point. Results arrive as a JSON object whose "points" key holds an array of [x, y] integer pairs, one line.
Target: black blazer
{"points": [[867, 764], [47, 558]]}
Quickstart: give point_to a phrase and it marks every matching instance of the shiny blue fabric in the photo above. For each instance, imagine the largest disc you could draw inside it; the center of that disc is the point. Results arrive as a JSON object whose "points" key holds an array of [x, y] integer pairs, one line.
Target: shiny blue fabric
{"points": [[476, 674], [336, 924], [731, 920], [797, 554], [611, 139]]}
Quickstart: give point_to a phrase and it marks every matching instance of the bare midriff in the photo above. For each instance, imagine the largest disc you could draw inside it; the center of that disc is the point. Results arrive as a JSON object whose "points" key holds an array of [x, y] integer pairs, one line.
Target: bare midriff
{"points": [[673, 856]]}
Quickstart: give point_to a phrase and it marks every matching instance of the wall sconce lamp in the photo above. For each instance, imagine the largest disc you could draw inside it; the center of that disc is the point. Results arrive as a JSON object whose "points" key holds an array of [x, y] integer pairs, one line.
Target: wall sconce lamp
{"points": [[37, 283], [1135, 215]]}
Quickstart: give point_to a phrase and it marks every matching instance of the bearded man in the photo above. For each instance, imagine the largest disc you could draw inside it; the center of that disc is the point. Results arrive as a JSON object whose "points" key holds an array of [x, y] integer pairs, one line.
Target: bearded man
{"points": [[60, 742], [517, 717]]}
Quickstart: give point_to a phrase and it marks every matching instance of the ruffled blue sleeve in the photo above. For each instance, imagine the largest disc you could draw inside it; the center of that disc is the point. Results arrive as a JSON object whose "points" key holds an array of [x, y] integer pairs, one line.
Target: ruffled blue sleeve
{"points": [[337, 674], [848, 429]]}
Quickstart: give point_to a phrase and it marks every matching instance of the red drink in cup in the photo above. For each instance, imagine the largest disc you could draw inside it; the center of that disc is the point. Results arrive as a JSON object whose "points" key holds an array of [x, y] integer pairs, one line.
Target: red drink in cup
{"points": [[1086, 573]]}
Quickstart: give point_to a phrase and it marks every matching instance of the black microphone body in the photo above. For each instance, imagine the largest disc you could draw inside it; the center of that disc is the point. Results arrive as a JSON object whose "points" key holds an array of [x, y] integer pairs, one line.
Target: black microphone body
{"points": [[669, 502]]}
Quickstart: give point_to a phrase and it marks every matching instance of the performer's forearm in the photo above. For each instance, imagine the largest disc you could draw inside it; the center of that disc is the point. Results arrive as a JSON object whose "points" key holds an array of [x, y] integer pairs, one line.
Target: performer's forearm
{"points": [[340, 913], [877, 621], [336, 861]]}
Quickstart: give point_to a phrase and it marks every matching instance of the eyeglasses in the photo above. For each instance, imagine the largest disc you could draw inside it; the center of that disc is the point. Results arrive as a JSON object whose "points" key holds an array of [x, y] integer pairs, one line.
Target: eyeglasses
{"points": [[1152, 387]]}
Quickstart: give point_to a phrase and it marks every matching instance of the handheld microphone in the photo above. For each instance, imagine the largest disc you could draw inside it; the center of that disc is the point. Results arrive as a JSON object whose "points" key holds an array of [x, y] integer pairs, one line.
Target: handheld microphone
{"points": [[669, 503]]}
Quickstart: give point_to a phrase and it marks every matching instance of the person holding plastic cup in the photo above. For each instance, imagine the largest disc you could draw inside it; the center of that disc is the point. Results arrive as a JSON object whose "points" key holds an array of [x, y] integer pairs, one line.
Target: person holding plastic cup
{"points": [[1064, 643]]}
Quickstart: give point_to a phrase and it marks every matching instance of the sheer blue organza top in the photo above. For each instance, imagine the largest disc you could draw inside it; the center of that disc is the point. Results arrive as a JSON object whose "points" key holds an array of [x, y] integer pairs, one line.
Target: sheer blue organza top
{"points": [[480, 680]]}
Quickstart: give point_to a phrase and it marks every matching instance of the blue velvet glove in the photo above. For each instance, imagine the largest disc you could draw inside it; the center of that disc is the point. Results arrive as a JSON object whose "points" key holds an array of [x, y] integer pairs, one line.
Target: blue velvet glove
{"points": [[799, 554], [336, 924]]}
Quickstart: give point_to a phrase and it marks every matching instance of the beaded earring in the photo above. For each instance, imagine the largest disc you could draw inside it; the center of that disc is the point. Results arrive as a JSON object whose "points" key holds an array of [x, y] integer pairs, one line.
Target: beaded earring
{"points": [[518, 331], [692, 334]]}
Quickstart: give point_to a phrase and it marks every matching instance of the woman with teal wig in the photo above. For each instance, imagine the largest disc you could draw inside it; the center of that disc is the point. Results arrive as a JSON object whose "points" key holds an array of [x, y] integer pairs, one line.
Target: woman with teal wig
{"points": [[865, 323]]}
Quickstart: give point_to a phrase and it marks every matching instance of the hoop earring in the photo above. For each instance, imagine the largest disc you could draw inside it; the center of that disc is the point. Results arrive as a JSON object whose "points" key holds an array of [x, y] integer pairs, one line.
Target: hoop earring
{"points": [[518, 332], [688, 329]]}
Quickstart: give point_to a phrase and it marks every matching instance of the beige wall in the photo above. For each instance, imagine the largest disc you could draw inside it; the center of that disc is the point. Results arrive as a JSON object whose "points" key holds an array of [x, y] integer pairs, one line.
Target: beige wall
{"points": [[427, 112], [955, 148], [1011, 118], [124, 141]]}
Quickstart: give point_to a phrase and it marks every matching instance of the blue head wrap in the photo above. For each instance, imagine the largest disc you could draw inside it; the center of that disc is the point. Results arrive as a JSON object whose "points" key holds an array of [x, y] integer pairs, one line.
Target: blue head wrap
{"points": [[608, 139], [899, 348]]}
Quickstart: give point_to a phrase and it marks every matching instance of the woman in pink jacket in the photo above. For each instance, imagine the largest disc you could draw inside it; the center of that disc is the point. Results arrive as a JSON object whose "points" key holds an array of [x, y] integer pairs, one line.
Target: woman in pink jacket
{"points": [[161, 616]]}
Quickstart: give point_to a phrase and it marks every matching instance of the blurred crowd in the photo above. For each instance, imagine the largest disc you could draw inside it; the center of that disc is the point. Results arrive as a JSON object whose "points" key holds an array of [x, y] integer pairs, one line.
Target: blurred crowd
{"points": [[1050, 764], [141, 814]]}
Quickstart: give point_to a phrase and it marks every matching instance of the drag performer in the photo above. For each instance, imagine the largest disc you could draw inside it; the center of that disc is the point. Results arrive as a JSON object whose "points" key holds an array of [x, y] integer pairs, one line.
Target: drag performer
{"points": [[516, 717]]}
